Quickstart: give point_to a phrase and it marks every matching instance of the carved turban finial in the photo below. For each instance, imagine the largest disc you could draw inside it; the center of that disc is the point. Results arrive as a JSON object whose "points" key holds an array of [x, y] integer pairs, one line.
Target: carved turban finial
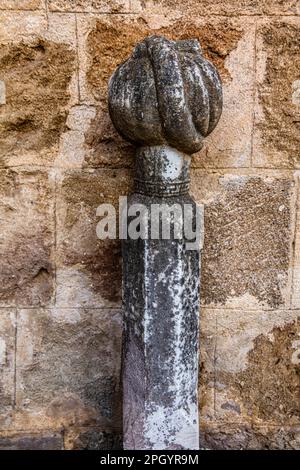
{"points": [[166, 93]]}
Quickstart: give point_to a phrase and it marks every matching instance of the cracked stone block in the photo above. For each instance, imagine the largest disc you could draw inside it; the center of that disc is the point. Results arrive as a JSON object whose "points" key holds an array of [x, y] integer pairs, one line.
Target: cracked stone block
{"points": [[27, 238], [89, 269], [32, 442], [68, 366], [247, 239], [106, 42], [277, 113], [7, 362], [257, 367]]}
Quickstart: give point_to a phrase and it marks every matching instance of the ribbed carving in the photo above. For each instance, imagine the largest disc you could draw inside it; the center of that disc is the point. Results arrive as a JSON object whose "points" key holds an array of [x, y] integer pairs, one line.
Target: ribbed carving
{"points": [[166, 93]]}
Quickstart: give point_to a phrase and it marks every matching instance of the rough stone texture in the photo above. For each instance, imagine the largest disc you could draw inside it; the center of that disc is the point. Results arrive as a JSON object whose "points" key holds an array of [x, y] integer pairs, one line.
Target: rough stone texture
{"points": [[21, 4], [228, 45], [34, 115], [296, 260], [93, 439], [248, 233], [27, 213], [88, 269], [271, 386], [68, 364], [31, 442], [7, 361], [261, 385], [73, 150], [254, 382], [234, 437], [277, 135], [110, 42], [221, 7], [207, 354], [20, 25], [256, 138], [111, 6], [105, 146]]}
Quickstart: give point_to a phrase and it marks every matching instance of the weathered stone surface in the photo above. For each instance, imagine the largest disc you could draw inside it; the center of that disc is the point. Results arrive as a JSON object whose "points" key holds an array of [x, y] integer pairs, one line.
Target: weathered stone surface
{"points": [[105, 147], [73, 151], [37, 75], [61, 29], [110, 42], [256, 367], [248, 235], [241, 437], [255, 382], [21, 4], [220, 7], [88, 269], [21, 25], [249, 357], [27, 214], [166, 93], [207, 358], [92, 439], [160, 357], [105, 6], [277, 129], [31, 442], [165, 98], [7, 361], [230, 146], [296, 260], [228, 45], [271, 385], [68, 365]]}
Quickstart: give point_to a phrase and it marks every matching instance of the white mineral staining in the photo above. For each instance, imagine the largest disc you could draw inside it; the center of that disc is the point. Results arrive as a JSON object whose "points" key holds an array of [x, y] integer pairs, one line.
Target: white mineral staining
{"points": [[2, 93]]}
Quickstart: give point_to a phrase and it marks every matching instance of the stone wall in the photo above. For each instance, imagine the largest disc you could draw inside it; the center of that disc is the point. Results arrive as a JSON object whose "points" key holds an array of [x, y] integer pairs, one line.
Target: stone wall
{"points": [[60, 322]]}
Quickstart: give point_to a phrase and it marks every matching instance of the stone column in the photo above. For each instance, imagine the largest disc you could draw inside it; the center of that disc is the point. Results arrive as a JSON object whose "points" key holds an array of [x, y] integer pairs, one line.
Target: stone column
{"points": [[165, 98]]}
